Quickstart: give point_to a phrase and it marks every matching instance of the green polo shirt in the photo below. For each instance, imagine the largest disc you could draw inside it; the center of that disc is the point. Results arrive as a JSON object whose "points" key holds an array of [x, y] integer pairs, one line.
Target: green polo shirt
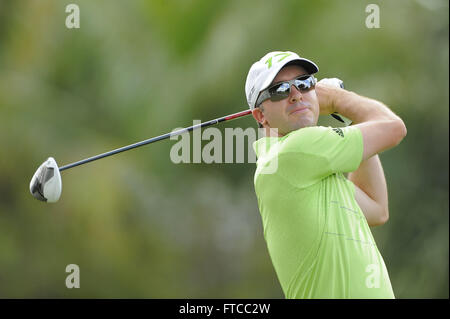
{"points": [[317, 236]]}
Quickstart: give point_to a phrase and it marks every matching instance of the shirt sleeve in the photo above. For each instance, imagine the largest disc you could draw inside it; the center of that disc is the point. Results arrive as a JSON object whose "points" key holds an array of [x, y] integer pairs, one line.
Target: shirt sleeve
{"points": [[311, 154]]}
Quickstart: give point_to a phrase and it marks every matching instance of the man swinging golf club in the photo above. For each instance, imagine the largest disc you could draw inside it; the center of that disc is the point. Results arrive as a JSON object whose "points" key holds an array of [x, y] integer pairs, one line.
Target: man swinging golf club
{"points": [[316, 220]]}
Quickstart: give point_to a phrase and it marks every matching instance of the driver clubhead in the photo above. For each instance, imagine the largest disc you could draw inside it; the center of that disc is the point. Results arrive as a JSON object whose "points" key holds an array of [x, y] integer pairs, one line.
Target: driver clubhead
{"points": [[46, 183]]}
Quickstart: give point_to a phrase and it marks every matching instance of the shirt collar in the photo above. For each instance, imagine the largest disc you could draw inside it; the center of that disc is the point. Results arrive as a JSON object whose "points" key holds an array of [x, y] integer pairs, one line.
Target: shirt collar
{"points": [[263, 145]]}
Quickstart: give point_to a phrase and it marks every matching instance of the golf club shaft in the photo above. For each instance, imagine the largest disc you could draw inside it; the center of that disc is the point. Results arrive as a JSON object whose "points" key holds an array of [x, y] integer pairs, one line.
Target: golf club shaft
{"points": [[157, 138]]}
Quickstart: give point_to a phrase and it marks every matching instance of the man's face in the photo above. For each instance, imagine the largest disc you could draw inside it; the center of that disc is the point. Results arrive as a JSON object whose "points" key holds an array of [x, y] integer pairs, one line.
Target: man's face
{"points": [[300, 109]]}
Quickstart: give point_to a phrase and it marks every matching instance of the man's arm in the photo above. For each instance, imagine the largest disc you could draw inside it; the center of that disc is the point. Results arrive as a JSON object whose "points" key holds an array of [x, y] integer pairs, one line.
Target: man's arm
{"points": [[371, 191], [380, 127], [381, 130]]}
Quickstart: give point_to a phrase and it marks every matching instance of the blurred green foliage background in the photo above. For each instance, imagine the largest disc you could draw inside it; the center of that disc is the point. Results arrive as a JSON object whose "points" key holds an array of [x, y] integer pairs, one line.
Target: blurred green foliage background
{"points": [[140, 226]]}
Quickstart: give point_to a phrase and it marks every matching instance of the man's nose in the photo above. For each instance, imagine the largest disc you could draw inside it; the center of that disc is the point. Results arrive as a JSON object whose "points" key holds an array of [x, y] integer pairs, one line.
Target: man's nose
{"points": [[295, 94]]}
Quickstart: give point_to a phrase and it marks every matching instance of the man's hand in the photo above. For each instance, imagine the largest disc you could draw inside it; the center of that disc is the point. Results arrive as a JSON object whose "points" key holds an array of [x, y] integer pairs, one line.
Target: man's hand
{"points": [[326, 90]]}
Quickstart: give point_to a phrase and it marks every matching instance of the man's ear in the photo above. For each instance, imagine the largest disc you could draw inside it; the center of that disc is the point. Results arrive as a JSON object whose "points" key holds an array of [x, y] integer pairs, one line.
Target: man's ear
{"points": [[258, 115]]}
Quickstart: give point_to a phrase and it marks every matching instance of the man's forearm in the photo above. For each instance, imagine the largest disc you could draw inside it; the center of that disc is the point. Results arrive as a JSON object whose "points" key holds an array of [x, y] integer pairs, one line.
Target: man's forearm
{"points": [[361, 109], [356, 107]]}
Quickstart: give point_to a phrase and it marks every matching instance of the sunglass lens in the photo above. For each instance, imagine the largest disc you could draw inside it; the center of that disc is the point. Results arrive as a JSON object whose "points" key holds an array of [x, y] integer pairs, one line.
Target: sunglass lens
{"points": [[279, 92], [303, 83]]}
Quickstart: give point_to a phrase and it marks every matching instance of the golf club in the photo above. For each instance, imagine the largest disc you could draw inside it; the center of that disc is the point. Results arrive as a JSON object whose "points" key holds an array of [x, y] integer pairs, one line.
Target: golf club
{"points": [[46, 184]]}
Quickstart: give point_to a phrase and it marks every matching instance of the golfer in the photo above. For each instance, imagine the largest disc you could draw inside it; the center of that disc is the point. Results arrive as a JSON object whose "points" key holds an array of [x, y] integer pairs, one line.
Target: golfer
{"points": [[317, 220]]}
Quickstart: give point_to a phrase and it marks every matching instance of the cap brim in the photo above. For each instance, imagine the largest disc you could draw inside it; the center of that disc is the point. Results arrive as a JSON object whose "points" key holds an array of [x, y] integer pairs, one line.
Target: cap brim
{"points": [[308, 65]]}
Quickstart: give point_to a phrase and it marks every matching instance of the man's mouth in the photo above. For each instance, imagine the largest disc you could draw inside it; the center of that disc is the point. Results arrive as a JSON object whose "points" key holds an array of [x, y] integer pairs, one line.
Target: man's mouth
{"points": [[299, 110]]}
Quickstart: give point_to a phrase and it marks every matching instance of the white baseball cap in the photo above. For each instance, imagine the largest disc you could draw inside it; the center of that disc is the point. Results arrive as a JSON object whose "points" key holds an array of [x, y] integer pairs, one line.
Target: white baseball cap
{"points": [[263, 72]]}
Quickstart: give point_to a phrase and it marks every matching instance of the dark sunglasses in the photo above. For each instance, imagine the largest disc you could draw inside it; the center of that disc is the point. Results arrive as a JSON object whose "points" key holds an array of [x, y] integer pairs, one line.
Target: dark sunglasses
{"points": [[280, 91]]}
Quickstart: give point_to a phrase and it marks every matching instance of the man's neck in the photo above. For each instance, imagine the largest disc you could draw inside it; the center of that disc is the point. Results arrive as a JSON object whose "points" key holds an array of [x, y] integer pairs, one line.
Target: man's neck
{"points": [[272, 132]]}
